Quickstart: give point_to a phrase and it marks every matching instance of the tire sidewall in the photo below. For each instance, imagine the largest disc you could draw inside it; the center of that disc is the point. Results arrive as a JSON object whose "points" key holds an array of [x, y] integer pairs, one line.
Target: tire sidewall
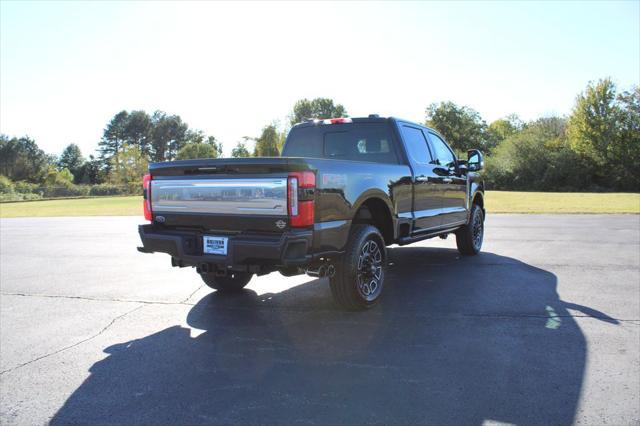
{"points": [[350, 264], [476, 215]]}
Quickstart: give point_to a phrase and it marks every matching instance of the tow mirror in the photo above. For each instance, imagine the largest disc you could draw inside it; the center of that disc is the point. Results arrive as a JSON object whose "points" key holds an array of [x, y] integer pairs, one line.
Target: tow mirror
{"points": [[475, 160]]}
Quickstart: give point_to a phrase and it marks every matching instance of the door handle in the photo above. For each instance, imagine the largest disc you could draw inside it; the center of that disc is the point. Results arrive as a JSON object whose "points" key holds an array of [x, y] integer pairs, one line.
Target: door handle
{"points": [[447, 180]]}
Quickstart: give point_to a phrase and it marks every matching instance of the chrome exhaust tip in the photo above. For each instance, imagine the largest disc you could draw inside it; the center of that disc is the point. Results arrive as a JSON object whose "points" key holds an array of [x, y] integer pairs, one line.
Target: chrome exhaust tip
{"points": [[321, 272], [331, 271]]}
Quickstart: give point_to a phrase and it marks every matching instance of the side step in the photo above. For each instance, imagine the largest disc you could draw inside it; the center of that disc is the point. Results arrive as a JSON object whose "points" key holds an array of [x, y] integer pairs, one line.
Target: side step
{"points": [[425, 236]]}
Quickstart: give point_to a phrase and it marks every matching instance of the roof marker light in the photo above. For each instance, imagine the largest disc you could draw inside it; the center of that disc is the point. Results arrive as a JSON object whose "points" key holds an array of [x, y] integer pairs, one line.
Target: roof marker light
{"points": [[339, 120]]}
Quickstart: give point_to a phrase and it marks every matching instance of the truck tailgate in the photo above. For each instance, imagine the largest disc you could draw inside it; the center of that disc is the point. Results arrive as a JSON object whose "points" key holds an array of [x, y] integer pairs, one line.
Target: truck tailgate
{"points": [[229, 195], [240, 196]]}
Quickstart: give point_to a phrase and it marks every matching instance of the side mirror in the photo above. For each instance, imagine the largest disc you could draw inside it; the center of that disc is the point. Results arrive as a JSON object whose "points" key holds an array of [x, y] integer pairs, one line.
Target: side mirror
{"points": [[475, 161]]}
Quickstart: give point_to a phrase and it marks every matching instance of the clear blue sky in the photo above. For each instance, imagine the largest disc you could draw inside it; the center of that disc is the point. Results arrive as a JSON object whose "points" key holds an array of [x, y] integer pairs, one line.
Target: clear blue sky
{"points": [[231, 68]]}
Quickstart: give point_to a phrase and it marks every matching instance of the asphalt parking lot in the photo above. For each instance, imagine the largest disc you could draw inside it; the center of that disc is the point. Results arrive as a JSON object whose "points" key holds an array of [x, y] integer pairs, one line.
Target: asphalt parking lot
{"points": [[542, 328]]}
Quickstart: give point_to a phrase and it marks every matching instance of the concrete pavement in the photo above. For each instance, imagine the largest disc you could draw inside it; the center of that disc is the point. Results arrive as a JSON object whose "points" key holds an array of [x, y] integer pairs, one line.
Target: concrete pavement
{"points": [[542, 328]]}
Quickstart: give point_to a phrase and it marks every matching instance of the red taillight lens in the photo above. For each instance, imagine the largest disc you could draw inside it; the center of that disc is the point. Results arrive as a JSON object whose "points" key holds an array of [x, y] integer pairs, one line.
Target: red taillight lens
{"points": [[305, 215], [146, 195], [300, 193]]}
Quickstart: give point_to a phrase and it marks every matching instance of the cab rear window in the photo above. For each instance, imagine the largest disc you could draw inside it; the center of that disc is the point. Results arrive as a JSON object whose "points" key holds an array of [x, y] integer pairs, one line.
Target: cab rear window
{"points": [[351, 141]]}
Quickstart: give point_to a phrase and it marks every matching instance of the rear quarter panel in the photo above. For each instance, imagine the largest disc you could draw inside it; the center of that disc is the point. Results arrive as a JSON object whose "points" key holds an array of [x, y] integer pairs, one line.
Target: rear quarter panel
{"points": [[342, 186]]}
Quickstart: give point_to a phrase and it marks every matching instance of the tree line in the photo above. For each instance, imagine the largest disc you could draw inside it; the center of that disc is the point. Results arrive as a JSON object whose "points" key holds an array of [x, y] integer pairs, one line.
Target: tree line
{"points": [[129, 142], [596, 147]]}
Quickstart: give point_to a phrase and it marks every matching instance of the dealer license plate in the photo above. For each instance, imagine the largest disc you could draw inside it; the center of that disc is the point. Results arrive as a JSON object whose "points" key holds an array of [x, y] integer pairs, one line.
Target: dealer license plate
{"points": [[214, 245]]}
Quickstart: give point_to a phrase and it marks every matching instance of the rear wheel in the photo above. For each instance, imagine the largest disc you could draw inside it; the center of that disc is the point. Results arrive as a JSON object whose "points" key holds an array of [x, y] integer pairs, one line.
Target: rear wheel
{"points": [[359, 277], [469, 237], [233, 281]]}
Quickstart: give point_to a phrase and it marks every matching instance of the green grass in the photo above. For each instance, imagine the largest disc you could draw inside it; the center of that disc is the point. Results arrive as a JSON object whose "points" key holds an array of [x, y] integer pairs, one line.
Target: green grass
{"points": [[561, 202], [496, 202], [100, 206]]}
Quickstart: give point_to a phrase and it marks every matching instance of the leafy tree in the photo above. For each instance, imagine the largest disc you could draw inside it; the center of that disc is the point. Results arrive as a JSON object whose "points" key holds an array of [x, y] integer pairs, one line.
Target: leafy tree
{"points": [[6, 186], [627, 150], [306, 109], [114, 137], [22, 159], [195, 136], [168, 135], [72, 160], [461, 126], [240, 150], [603, 129], [198, 137], [267, 143], [133, 165], [138, 129], [91, 172], [58, 177], [502, 128], [195, 150], [282, 138], [593, 121], [537, 158], [217, 146]]}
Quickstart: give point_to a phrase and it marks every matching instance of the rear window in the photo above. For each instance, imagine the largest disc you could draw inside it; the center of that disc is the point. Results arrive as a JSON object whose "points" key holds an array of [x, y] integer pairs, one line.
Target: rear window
{"points": [[351, 141]]}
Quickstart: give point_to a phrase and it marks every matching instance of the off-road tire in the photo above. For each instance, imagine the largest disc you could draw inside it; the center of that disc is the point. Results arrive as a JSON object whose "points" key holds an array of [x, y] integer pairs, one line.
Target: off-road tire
{"points": [[233, 281], [348, 284], [467, 238]]}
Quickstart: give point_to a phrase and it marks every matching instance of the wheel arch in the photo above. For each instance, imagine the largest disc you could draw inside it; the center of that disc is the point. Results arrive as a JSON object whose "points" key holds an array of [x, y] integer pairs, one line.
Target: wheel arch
{"points": [[478, 198], [375, 209]]}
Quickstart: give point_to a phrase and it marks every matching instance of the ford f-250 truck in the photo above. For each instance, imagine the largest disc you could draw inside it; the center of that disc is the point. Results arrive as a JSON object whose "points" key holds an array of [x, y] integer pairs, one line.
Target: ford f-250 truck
{"points": [[343, 190]]}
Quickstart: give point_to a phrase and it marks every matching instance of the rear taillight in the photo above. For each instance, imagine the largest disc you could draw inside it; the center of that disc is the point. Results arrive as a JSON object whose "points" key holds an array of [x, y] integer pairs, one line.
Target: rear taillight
{"points": [[300, 193], [146, 195]]}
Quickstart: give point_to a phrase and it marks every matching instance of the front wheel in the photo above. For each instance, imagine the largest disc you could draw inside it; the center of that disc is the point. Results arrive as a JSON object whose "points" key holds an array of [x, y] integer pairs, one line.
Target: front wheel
{"points": [[359, 277], [469, 237], [233, 281]]}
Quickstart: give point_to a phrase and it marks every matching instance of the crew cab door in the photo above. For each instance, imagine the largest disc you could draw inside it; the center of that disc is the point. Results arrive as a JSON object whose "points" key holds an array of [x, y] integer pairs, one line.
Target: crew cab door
{"points": [[427, 195], [454, 183]]}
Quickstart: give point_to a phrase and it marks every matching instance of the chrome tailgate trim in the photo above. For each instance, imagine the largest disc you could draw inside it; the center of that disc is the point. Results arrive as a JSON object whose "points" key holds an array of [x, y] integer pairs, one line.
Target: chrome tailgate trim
{"points": [[220, 196]]}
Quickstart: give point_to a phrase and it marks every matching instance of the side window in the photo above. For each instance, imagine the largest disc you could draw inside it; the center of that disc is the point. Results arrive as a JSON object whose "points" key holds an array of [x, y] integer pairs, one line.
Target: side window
{"points": [[441, 151], [416, 144]]}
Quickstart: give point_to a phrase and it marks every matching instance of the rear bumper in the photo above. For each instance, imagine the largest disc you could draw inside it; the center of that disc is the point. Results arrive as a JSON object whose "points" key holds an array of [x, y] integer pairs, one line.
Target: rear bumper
{"points": [[244, 251]]}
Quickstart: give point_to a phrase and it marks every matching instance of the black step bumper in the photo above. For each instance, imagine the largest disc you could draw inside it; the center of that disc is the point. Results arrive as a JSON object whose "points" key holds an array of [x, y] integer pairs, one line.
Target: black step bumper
{"points": [[243, 250]]}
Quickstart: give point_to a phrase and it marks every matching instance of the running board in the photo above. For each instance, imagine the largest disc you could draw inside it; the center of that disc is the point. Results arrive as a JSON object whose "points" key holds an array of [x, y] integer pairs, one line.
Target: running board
{"points": [[425, 236]]}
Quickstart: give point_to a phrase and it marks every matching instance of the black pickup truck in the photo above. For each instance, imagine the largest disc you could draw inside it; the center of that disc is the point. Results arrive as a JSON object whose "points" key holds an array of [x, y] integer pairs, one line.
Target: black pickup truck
{"points": [[343, 190]]}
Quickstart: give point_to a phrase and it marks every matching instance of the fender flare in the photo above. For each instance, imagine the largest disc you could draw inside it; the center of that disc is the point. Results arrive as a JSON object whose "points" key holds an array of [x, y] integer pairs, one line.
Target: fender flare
{"points": [[377, 195]]}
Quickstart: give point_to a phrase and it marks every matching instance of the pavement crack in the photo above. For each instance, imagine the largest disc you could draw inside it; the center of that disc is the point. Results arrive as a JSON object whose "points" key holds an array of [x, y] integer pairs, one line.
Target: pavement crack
{"points": [[100, 299], [113, 321], [191, 295]]}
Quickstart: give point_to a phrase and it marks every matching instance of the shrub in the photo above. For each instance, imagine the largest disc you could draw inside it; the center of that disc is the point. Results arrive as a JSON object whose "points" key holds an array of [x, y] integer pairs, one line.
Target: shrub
{"points": [[17, 196], [134, 188], [6, 186], [26, 187], [68, 190], [21, 191], [108, 189]]}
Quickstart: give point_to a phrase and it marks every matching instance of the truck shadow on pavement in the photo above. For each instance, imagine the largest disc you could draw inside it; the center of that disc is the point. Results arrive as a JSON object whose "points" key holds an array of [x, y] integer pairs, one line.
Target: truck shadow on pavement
{"points": [[454, 341]]}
